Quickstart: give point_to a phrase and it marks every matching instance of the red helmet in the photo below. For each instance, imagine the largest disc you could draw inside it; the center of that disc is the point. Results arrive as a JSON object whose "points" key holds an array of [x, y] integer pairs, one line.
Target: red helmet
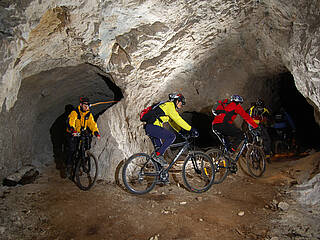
{"points": [[84, 100]]}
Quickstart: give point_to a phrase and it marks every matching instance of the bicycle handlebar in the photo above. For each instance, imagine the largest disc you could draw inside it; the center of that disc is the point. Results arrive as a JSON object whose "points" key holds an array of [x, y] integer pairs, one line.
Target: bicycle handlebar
{"points": [[81, 134]]}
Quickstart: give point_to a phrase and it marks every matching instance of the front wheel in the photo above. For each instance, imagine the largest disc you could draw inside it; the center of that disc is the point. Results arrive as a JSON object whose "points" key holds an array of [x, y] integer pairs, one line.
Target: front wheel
{"points": [[256, 161], [86, 171], [221, 165], [139, 173], [198, 172]]}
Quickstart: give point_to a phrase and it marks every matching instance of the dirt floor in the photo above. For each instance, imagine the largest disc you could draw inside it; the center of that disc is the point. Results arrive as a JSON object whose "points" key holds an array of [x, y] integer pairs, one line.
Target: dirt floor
{"points": [[239, 208]]}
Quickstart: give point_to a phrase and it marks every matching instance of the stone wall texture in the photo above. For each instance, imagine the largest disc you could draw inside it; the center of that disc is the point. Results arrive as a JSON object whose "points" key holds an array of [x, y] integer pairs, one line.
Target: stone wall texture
{"points": [[205, 49]]}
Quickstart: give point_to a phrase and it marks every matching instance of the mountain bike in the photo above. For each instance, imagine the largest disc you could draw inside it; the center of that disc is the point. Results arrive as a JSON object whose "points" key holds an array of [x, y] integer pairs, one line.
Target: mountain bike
{"points": [[226, 163], [285, 142], [85, 164], [141, 172]]}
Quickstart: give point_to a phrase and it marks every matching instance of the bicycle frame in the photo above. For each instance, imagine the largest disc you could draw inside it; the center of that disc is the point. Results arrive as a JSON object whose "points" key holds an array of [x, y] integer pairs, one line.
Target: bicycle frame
{"points": [[225, 151], [185, 147], [185, 144], [81, 146]]}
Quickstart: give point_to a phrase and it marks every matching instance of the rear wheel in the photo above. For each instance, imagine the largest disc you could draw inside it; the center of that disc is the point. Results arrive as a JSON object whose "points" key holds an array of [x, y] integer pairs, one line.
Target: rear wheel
{"points": [[256, 161], [198, 172], [86, 171], [221, 165], [139, 173]]}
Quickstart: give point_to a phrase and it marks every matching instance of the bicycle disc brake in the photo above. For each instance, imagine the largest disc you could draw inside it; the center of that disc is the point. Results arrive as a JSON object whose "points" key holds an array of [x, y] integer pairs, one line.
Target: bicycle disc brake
{"points": [[164, 176]]}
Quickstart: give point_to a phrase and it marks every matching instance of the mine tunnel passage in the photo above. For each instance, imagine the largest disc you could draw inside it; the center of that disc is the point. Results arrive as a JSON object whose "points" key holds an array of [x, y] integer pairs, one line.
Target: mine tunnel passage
{"points": [[287, 97], [40, 112]]}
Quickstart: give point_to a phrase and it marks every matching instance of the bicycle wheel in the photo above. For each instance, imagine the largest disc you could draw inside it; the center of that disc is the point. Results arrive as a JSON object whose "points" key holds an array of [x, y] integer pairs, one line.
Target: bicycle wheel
{"points": [[256, 161], [86, 171], [220, 163], [198, 172], [139, 173]]}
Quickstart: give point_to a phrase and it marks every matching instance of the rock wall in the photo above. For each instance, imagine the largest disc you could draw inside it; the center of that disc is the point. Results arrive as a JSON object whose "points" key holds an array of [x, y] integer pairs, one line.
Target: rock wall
{"points": [[205, 49]]}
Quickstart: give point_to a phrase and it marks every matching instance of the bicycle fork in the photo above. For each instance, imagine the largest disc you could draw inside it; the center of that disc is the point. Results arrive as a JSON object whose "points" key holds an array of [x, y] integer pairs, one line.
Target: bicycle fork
{"points": [[201, 170]]}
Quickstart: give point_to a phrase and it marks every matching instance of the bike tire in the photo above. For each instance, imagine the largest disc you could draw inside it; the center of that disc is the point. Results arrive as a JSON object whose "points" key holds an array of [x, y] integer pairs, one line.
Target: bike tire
{"points": [[134, 173], [255, 161], [86, 172], [198, 172], [221, 165]]}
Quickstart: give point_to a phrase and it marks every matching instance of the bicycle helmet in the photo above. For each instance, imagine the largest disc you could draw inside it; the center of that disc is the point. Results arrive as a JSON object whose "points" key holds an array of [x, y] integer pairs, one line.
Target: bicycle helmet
{"points": [[84, 100], [236, 98], [177, 96], [260, 103]]}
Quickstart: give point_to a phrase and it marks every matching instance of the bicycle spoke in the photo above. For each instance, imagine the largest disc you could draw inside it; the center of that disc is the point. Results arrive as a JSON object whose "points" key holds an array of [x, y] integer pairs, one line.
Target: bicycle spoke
{"points": [[139, 174], [221, 165], [86, 171], [255, 161], [198, 172]]}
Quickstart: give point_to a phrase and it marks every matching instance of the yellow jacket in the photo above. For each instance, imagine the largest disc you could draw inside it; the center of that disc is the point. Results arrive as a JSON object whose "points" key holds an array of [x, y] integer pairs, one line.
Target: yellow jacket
{"points": [[258, 117], [76, 123], [172, 116]]}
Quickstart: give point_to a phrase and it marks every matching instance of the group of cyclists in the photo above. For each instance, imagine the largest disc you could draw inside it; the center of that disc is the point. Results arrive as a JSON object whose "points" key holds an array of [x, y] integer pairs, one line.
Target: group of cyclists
{"points": [[225, 111], [272, 126]]}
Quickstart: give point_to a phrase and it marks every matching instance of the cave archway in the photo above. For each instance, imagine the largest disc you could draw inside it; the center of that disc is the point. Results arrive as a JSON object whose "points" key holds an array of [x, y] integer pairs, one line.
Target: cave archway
{"points": [[36, 123]]}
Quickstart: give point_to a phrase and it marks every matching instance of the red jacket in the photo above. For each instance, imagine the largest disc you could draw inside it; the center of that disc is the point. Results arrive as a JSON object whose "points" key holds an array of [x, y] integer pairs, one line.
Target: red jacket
{"points": [[229, 111]]}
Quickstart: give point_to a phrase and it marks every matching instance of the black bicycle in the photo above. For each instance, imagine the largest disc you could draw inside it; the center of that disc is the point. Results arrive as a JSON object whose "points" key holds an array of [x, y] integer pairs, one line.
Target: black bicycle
{"points": [[225, 163], [141, 172], [85, 164], [285, 142]]}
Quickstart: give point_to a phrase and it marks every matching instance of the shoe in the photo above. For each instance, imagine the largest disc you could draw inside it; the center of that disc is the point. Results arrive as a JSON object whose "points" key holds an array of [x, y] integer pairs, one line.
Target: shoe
{"points": [[159, 159], [268, 158], [233, 154], [69, 171]]}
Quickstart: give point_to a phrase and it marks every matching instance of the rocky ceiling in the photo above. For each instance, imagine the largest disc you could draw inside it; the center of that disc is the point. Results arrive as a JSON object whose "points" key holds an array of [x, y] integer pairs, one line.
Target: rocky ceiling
{"points": [[54, 51]]}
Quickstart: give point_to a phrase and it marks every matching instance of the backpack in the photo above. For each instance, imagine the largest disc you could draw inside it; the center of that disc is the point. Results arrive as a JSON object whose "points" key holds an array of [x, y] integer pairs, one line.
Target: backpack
{"points": [[216, 105], [86, 117], [149, 114]]}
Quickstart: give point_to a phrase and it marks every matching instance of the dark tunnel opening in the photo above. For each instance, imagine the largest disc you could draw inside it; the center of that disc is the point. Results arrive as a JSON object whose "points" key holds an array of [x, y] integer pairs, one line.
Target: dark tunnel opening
{"points": [[301, 112], [289, 98], [102, 94], [117, 96]]}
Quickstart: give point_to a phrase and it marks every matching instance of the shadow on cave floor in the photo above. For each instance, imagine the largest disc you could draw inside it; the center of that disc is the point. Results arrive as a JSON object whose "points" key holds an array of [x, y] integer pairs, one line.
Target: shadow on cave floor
{"points": [[58, 136]]}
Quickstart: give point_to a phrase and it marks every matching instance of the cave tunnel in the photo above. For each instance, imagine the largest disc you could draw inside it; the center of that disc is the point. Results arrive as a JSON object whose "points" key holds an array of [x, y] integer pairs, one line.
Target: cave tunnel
{"points": [[302, 113], [286, 96], [38, 118]]}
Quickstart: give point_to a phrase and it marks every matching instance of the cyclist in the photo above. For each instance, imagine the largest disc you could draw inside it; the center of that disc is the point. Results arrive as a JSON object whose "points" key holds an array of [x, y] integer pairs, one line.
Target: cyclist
{"points": [[225, 111], [284, 123], [78, 120], [163, 138], [261, 116]]}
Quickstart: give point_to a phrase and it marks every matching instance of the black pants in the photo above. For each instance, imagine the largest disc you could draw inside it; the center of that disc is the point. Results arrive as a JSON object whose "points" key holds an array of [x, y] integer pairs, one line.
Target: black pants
{"points": [[229, 130], [71, 145], [266, 140]]}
